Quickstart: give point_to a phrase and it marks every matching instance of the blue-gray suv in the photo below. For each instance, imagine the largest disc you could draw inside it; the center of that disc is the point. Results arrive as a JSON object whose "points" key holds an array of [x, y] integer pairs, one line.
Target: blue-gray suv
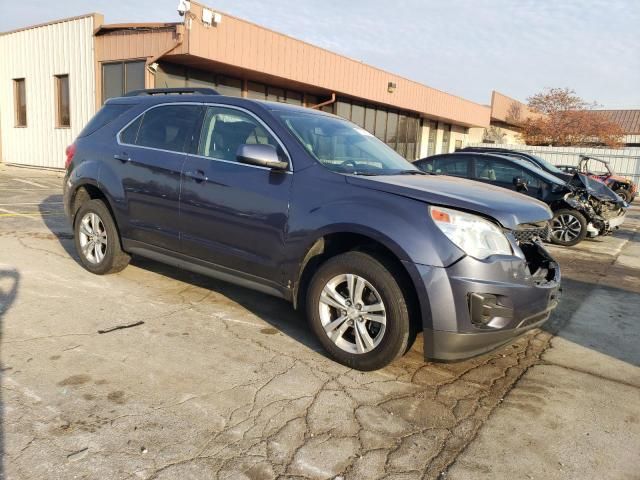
{"points": [[306, 206]]}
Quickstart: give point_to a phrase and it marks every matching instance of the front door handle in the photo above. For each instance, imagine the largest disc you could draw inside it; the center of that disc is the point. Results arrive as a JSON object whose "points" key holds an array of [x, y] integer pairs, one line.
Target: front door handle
{"points": [[123, 157], [199, 176]]}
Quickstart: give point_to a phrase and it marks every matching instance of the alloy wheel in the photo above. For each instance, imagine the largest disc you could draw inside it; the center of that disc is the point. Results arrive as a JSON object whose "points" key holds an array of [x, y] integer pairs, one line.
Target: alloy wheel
{"points": [[565, 228], [93, 238], [352, 313]]}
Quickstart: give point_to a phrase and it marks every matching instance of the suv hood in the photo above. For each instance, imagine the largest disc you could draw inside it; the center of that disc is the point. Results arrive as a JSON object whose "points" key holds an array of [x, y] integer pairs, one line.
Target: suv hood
{"points": [[508, 208]]}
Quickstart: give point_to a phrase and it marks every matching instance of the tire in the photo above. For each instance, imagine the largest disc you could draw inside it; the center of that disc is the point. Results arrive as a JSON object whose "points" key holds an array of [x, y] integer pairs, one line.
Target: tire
{"points": [[379, 285], [568, 227], [93, 223], [625, 194]]}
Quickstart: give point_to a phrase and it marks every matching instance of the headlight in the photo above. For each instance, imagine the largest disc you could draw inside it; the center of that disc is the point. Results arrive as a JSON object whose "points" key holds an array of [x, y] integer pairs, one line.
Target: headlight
{"points": [[473, 234]]}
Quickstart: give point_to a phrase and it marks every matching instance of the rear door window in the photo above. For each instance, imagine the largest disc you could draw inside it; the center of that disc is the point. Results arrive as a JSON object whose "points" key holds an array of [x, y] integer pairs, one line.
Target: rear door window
{"points": [[169, 127], [454, 165]]}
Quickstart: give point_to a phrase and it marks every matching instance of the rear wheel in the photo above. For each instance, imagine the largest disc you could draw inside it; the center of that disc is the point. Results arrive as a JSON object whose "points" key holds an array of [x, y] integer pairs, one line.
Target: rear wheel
{"points": [[357, 310], [97, 240], [625, 194], [568, 227]]}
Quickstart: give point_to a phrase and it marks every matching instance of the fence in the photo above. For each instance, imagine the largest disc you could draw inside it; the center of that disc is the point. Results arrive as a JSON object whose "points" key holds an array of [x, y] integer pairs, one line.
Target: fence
{"points": [[624, 162]]}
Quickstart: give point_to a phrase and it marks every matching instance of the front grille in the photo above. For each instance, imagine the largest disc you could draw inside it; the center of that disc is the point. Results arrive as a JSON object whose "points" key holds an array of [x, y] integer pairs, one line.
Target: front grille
{"points": [[528, 232]]}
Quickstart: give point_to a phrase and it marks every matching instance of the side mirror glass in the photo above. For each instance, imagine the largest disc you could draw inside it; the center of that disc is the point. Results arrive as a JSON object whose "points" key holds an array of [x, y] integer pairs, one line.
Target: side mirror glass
{"points": [[520, 184], [260, 155]]}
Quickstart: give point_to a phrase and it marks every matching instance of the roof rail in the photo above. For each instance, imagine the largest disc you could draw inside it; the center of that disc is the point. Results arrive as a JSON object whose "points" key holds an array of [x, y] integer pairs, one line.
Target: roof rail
{"points": [[172, 91]]}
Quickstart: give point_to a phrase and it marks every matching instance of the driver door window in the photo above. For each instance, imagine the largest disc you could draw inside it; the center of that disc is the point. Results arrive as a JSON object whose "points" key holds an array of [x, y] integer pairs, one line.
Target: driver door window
{"points": [[225, 129]]}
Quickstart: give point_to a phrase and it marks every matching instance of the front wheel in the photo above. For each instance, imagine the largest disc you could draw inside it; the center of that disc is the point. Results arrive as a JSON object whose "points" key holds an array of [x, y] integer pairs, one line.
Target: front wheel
{"points": [[568, 227], [625, 195], [97, 240], [357, 310]]}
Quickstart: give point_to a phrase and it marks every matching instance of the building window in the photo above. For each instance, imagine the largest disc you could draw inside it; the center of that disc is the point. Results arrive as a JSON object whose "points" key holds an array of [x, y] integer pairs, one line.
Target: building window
{"points": [[20, 102], [446, 138], [433, 132], [458, 145], [122, 77], [63, 110]]}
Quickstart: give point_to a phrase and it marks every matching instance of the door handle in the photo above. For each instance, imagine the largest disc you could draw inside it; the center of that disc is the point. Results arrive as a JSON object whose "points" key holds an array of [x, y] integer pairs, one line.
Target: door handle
{"points": [[199, 176], [123, 157]]}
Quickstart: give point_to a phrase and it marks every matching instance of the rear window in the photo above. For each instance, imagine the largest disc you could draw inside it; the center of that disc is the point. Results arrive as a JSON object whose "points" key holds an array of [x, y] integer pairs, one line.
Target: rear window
{"points": [[105, 115]]}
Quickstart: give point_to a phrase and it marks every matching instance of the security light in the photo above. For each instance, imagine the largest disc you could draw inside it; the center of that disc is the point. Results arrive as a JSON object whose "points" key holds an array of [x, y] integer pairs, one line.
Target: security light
{"points": [[183, 7]]}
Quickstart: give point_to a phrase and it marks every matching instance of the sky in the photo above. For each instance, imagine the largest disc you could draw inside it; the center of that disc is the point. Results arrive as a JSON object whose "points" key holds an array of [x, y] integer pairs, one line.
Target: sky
{"points": [[464, 47]]}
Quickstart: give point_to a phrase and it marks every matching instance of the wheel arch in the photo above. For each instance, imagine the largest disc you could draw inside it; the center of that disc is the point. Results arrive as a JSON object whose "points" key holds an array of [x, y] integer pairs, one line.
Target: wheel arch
{"points": [[330, 243]]}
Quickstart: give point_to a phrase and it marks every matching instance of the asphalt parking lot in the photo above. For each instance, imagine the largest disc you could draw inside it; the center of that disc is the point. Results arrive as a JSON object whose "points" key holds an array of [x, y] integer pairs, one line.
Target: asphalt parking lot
{"points": [[222, 382]]}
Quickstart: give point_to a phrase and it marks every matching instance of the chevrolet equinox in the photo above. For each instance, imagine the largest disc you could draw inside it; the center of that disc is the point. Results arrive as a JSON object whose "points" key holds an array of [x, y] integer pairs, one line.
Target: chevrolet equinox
{"points": [[303, 205]]}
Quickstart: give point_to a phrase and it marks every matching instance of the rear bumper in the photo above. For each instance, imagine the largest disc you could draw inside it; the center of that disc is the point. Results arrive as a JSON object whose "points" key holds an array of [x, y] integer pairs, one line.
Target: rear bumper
{"points": [[475, 306]]}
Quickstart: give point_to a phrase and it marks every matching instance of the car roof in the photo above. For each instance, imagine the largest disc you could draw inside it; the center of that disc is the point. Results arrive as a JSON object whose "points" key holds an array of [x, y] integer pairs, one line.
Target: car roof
{"points": [[212, 98]]}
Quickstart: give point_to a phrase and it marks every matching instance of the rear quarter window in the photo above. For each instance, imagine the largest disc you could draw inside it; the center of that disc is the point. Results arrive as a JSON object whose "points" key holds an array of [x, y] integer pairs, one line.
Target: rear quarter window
{"points": [[105, 116]]}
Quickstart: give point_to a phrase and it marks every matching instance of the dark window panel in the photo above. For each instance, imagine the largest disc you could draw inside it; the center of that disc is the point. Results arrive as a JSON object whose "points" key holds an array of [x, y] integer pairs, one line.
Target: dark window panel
{"points": [[311, 100], [275, 94], [446, 138], [229, 86], [200, 78], [112, 80], [343, 109], [433, 132], [130, 134], [294, 98], [20, 96], [257, 91], [171, 76], [381, 124], [133, 76], [369, 119], [63, 111], [392, 130], [357, 114]]}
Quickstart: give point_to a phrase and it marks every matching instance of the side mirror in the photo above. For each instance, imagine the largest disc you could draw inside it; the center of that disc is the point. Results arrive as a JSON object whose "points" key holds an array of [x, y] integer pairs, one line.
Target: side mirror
{"points": [[260, 155], [520, 184]]}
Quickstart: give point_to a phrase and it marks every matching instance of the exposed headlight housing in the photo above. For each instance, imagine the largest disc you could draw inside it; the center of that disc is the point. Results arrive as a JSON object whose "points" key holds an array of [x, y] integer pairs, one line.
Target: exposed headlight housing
{"points": [[473, 234]]}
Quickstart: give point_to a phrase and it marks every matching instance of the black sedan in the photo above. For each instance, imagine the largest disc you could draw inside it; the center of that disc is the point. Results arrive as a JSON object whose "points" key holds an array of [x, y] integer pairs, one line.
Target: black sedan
{"points": [[582, 207]]}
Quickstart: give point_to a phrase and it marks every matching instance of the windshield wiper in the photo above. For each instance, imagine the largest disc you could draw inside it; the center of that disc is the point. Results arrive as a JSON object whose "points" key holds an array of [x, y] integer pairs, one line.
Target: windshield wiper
{"points": [[412, 172]]}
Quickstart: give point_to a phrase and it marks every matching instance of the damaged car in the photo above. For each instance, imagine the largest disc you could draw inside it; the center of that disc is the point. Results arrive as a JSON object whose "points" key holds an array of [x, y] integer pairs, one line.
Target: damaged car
{"points": [[582, 207], [599, 169]]}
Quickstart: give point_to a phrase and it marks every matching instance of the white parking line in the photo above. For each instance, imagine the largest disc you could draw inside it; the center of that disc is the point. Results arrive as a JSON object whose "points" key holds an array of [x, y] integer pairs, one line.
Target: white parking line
{"points": [[29, 203], [29, 182]]}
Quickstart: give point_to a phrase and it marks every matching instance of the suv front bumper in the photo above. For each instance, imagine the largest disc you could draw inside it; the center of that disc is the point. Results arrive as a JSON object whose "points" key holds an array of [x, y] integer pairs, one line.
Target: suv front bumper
{"points": [[475, 306]]}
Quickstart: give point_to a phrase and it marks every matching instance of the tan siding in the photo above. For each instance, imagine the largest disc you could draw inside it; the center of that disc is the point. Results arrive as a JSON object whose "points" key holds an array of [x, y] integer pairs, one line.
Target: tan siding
{"points": [[37, 54], [248, 46]]}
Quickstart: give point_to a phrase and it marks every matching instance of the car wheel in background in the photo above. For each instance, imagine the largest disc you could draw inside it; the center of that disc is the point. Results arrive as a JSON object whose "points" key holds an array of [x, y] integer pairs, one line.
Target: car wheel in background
{"points": [[97, 240], [625, 194], [568, 227], [357, 310]]}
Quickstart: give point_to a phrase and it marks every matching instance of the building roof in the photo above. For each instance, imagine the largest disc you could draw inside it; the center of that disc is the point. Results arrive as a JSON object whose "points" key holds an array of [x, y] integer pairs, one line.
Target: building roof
{"points": [[629, 120], [98, 16]]}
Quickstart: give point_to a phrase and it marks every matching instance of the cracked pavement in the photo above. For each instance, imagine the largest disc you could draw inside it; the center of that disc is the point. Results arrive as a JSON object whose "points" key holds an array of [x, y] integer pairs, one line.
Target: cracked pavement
{"points": [[223, 382]]}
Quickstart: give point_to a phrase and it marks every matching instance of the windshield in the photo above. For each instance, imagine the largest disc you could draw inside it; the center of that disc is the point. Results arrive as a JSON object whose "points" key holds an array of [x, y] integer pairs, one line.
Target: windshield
{"points": [[549, 166], [344, 147]]}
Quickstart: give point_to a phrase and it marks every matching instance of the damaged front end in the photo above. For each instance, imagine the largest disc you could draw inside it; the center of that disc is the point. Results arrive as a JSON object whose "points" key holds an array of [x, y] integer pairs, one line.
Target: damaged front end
{"points": [[603, 209]]}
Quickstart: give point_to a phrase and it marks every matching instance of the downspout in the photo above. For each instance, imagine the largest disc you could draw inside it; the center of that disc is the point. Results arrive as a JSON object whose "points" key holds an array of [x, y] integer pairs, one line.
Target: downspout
{"points": [[149, 63], [324, 104]]}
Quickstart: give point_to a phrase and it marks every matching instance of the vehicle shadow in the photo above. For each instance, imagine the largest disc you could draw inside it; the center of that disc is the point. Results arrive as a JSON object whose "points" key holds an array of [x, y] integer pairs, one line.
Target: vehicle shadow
{"points": [[9, 284], [276, 312], [53, 216]]}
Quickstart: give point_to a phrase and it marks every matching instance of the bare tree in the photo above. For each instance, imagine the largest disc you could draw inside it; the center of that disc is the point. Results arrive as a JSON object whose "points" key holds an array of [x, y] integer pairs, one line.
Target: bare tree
{"points": [[568, 120]]}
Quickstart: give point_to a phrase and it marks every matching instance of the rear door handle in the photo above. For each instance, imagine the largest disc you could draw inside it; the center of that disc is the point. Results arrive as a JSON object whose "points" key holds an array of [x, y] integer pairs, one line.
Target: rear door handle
{"points": [[199, 176], [123, 157]]}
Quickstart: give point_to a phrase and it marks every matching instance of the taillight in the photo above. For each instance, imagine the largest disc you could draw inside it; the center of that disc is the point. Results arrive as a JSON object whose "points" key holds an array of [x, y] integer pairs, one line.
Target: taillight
{"points": [[70, 151]]}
